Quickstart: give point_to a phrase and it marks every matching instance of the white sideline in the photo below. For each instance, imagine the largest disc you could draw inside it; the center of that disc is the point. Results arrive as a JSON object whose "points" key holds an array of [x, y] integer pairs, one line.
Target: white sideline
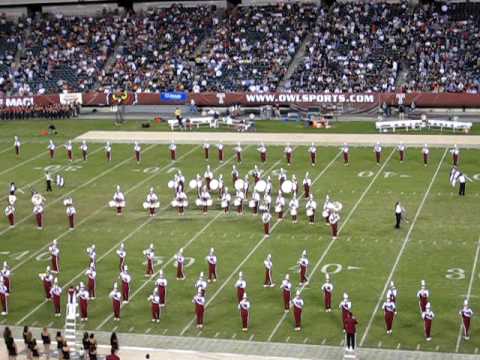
{"points": [[402, 249], [469, 292], [234, 272], [327, 249], [22, 163]]}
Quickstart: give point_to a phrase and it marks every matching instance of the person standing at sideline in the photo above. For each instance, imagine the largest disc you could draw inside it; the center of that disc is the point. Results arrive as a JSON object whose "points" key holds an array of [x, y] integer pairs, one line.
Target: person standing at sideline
{"points": [[350, 330], [113, 355], [46, 343], [10, 344]]}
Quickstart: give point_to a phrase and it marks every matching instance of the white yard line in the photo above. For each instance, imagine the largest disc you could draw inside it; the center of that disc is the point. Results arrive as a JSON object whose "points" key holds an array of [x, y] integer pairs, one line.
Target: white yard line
{"points": [[11, 147], [402, 249], [237, 269], [23, 163], [327, 249], [469, 292]]}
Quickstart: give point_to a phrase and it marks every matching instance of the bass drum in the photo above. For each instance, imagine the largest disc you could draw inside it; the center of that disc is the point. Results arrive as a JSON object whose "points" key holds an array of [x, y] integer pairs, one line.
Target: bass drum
{"points": [[310, 212], [112, 204], [193, 184], [171, 184], [214, 184], [260, 186], [287, 187], [239, 184]]}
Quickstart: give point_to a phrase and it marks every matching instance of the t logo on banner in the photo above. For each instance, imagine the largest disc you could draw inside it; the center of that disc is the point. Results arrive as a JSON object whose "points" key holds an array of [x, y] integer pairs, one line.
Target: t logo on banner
{"points": [[400, 98], [221, 98]]}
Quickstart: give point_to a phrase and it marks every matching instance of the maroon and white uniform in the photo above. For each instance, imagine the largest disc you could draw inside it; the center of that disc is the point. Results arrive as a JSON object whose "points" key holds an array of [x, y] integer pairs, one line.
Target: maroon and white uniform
{"points": [[466, 313], [256, 174], [401, 151], [333, 220], [307, 183], [221, 152], [173, 151], [286, 287], [313, 154], [10, 214], [254, 202], [118, 201], [51, 149], [84, 149], [180, 260], [91, 274], [423, 295], [155, 305], [238, 201], [137, 149], [298, 304], [310, 209], [288, 154], [389, 312], [327, 209], [263, 153], [152, 203], [346, 153], [392, 292], [327, 289], [225, 200], [126, 279], [377, 149], [235, 174], [199, 301], [428, 317], [206, 148], [238, 152], [455, 155], [346, 308], [83, 302], [201, 285], [71, 212], [4, 294], [69, 148], [244, 307], [55, 256], [116, 297], [293, 205], [208, 176], [122, 256], [38, 212], [212, 265], [303, 268], [6, 275], [47, 282], [161, 284], [56, 295], [241, 286], [204, 200], [180, 202], [266, 217], [92, 256], [108, 151], [268, 271], [425, 153], [150, 258], [16, 145], [280, 205]]}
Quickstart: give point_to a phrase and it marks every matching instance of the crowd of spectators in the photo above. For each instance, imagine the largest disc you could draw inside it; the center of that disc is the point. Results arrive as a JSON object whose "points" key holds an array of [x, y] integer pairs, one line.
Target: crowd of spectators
{"points": [[53, 111]]}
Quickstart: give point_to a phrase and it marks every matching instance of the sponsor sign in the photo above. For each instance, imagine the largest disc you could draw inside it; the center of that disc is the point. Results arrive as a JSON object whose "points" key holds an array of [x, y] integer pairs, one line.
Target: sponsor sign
{"points": [[173, 96]]}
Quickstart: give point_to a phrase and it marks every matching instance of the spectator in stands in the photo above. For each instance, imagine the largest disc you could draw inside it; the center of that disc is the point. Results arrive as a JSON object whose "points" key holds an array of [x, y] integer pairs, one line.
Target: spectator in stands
{"points": [[65, 350], [92, 349], [10, 344], [46, 342], [114, 341], [59, 340], [85, 345]]}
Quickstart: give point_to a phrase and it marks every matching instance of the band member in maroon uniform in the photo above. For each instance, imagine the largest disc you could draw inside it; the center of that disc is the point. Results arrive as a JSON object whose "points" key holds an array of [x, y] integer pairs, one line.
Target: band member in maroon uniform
{"points": [[201, 284], [83, 300], [425, 152], [38, 211], [55, 256], [263, 152], [346, 307], [161, 285], [126, 279], [313, 154], [10, 214], [401, 151], [310, 209], [389, 313], [51, 149], [286, 287], [138, 151], [288, 154], [154, 300], [71, 212], [221, 154], [241, 286], [199, 301], [244, 307], [327, 289], [455, 155], [297, 303], [116, 297], [238, 152], [84, 149], [268, 271], [4, 297], [351, 329], [180, 259], [173, 151], [150, 258], [293, 205], [333, 219], [266, 217], [91, 274], [307, 183], [428, 317], [346, 153], [122, 256], [422, 296], [108, 151], [16, 145], [56, 294], [92, 256], [152, 202], [118, 201], [206, 148], [377, 149], [303, 268], [69, 148], [212, 265], [6, 274], [466, 314]]}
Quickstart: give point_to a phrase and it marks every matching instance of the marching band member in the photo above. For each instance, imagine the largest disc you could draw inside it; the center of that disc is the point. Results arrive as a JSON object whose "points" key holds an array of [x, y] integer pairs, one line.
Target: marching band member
{"points": [[235, 174], [225, 200], [254, 202], [327, 206], [279, 204], [310, 207], [327, 289], [180, 260], [122, 256], [298, 304], [401, 151], [206, 147], [161, 285], [83, 300], [4, 294], [346, 307], [288, 154], [56, 294], [212, 265], [84, 149], [69, 148], [266, 217], [269, 187], [16, 145], [423, 295], [286, 287], [126, 279], [152, 202], [333, 220], [205, 200], [293, 206], [92, 255], [294, 183], [150, 257], [238, 202], [199, 301], [313, 153], [466, 314], [241, 286], [180, 179], [38, 201], [345, 151], [6, 274], [154, 300], [256, 173], [119, 200], [282, 176], [303, 268], [265, 203], [246, 185], [389, 313], [307, 183], [244, 307], [221, 185], [428, 317], [263, 152], [220, 148], [108, 151], [238, 152], [201, 285], [10, 214], [55, 257], [116, 297], [91, 274], [208, 176], [268, 272], [425, 152], [47, 281], [138, 150], [70, 211], [377, 149], [392, 292], [399, 211], [173, 151], [455, 155], [51, 149], [180, 202]]}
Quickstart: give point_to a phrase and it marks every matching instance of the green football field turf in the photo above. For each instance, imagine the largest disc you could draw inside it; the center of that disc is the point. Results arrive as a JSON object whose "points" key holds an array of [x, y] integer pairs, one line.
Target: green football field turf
{"points": [[439, 244]]}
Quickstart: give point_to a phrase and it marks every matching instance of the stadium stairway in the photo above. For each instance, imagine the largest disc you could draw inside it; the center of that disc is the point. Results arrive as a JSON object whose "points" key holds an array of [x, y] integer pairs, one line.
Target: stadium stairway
{"points": [[297, 60]]}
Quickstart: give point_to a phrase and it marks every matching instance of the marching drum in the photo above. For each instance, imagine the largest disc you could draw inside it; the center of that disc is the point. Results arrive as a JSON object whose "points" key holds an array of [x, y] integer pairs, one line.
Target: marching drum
{"points": [[193, 184], [278, 208], [252, 204], [214, 184], [171, 184], [67, 202], [112, 203], [325, 213], [147, 205], [237, 202], [337, 206], [209, 202], [174, 203], [239, 183], [198, 202], [37, 199], [12, 199], [293, 212], [310, 212], [287, 187], [261, 186]]}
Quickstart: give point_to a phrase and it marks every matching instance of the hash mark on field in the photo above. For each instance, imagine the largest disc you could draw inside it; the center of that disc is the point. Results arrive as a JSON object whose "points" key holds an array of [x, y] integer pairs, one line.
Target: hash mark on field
{"points": [[437, 347], [50, 324], [199, 333], [216, 335], [379, 344], [131, 329], [164, 331], [362, 240], [342, 342], [398, 346], [148, 330], [348, 239], [115, 328], [305, 341], [251, 337], [418, 346], [476, 351], [324, 341], [287, 339], [35, 323], [234, 335]]}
